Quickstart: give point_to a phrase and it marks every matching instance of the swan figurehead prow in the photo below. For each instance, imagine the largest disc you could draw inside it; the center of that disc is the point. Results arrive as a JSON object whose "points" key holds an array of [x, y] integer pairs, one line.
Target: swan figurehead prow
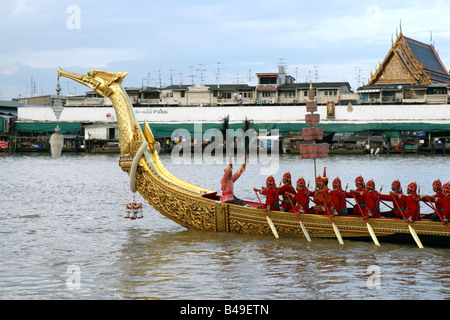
{"points": [[97, 80], [109, 84]]}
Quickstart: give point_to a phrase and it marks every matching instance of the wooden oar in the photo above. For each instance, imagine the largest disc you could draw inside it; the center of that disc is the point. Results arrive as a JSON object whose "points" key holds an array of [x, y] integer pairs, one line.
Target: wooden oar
{"points": [[437, 212], [300, 221], [335, 228], [369, 227], [272, 227], [411, 229]]}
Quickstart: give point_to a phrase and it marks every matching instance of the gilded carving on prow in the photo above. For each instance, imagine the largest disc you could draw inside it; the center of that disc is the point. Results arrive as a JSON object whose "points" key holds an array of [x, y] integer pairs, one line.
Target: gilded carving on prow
{"points": [[135, 143]]}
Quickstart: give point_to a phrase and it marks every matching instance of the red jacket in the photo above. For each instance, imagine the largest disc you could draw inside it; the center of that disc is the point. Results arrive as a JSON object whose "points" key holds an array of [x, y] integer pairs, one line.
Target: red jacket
{"points": [[322, 199], [285, 203], [272, 197], [372, 207], [361, 201], [446, 207], [412, 208], [437, 198], [302, 199], [401, 203], [338, 200]]}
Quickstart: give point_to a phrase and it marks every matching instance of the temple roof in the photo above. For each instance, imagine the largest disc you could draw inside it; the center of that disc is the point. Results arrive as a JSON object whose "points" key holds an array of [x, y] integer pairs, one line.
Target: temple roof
{"points": [[410, 62]]}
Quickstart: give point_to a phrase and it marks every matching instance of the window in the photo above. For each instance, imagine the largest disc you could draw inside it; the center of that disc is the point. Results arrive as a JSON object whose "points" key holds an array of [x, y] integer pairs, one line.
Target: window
{"points": [[268, 94], [268, 80], [289, 94]]}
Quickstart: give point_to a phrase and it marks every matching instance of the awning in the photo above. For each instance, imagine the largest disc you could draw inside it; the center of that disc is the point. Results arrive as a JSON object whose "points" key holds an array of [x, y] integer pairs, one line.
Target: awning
{"points": [[47, 127], [166, 130]]}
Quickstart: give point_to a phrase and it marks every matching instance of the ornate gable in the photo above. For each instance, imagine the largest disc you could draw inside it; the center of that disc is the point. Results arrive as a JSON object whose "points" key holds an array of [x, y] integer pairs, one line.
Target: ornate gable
{"points": [[410, 62]]}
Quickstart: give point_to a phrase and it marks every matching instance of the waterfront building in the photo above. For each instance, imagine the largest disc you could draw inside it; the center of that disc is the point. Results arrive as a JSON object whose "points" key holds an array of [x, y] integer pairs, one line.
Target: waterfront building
{"points": [[411, 76], [411, 73]]}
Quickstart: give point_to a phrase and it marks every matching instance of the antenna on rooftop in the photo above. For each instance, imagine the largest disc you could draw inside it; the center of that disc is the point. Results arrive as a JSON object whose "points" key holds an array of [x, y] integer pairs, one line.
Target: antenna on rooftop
{"points": [[159, 72], [201, 71], [171, 77], [250, 75], [317, 72], [33, 87], [218, 74], [237, 78], [192, 76], [281, 65], [358, 76]]}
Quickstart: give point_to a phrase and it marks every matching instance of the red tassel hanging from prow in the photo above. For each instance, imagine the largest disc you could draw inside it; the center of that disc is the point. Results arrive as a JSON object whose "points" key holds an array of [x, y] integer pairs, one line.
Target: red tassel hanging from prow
{"points": [[133, 210]]}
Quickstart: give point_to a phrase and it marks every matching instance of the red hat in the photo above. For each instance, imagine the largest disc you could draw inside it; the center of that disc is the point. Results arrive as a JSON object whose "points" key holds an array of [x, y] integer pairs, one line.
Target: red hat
{"points": [[301, 183], [324, 178], [337, 183], [359, 181], [446, 187], [412, 187], [287, 177], [370, 185], [270, 181], [396, 186], [437, 185]]}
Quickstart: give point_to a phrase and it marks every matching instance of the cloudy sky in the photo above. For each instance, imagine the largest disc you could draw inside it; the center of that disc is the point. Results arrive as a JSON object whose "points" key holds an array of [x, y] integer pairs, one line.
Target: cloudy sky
{"points": [[187, 41]]}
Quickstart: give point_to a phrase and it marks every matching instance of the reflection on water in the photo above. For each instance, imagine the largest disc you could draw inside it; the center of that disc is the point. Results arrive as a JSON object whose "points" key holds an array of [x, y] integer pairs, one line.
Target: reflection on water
{"points": [[68, 211]]}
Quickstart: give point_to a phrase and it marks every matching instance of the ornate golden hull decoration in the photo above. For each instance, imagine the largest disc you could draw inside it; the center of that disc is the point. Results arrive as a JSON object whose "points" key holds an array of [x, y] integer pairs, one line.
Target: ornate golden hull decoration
{"points": [[197, 208]]}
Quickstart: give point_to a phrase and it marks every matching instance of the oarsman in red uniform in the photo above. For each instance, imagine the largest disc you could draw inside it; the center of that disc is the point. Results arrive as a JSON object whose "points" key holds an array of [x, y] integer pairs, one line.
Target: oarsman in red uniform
{"points": [[322, 197], [285, 191], [446, 202], [301, 198], [412, 200], [360, 187], [396, 188], [272, 194], [439, 195], [338, 197], [372, 198]]}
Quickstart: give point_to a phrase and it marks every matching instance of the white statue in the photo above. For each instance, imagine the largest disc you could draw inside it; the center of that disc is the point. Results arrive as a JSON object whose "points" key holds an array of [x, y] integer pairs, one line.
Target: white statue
{"points": [[56, 143]]}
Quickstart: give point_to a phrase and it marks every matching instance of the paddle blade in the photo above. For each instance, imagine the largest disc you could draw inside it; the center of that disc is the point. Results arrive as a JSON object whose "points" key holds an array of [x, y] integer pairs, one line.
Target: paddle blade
{"points": [[272, 226], [415, 236], [305, 232], [372, 234], [338, 234]]}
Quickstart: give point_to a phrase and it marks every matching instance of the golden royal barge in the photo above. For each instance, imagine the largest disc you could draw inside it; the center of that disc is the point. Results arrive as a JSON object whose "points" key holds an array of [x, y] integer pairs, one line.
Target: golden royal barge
{"points": [[198, 208]]}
